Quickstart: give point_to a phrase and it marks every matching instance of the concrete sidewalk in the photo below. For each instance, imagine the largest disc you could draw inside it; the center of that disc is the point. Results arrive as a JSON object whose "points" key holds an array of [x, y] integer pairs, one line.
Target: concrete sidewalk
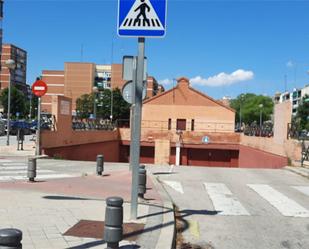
{"points": [[11, 150], [303, 171], [46, 210]]}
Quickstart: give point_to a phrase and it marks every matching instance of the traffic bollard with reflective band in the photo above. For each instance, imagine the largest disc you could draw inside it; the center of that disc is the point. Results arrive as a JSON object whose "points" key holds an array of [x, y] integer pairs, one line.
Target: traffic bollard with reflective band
{"points": [[31, 173], [100, 164], [142, 182], [113, 222], [10, 238]]}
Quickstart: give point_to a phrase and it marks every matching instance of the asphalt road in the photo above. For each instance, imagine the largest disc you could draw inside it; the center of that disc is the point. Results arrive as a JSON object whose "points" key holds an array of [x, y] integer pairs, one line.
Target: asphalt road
{"points": [[240, 208]]}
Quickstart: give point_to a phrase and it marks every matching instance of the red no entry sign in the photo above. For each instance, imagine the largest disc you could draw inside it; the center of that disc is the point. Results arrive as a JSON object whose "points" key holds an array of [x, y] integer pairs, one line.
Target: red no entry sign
{"points": [[39, 88]]}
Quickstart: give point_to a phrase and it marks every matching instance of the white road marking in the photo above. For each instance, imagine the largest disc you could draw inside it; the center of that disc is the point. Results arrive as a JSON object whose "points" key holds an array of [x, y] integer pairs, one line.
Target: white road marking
{"points": [[223, 201], [5, 161], [175, 185], [282, 203], [303, 189], [14, 164], [40, 177], [25, 171], [12, 168]]}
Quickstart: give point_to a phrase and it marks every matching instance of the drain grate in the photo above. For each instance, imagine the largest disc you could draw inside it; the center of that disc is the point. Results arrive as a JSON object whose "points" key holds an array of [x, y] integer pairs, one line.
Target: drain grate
{"points": [[95, 229]]}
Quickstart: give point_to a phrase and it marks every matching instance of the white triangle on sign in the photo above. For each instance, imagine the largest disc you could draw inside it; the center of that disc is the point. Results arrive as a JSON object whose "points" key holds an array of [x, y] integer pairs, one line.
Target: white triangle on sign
{"points": [[142, 16]]}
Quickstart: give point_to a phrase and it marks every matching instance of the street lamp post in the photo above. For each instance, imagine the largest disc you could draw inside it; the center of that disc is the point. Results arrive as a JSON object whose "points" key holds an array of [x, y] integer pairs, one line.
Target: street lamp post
{"points": [[261, 107], [95, 91], [10, 65], [240, 103]]}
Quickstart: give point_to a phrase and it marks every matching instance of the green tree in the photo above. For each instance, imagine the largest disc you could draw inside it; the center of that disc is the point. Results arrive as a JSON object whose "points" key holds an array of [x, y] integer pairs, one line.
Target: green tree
{"points": [[85, 105], [249, 106], [302, 116], [18, 102]]}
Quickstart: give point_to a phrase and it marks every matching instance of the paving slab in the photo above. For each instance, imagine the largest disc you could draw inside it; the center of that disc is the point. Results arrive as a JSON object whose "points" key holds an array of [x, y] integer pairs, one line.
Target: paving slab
{"points": [[45, 210]]}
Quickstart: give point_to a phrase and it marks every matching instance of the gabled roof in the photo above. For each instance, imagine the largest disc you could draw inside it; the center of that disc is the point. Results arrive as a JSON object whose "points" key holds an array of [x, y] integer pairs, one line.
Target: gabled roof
{"points": [[183, 94]]}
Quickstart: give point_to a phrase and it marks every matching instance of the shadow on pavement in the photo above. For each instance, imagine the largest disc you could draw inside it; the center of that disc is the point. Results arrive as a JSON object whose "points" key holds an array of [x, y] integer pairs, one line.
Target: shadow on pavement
{"points": [[188, 212], [57, 197], [88, 245], [164, 173]]}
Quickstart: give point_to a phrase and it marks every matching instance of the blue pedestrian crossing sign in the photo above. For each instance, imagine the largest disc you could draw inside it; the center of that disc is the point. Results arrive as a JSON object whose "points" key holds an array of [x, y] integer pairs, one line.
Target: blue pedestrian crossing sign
{"points": [[142, 18]]}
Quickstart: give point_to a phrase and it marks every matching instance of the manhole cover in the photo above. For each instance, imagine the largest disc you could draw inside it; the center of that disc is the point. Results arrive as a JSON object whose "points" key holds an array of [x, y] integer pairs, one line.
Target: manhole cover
{"points": [[95, 229]]}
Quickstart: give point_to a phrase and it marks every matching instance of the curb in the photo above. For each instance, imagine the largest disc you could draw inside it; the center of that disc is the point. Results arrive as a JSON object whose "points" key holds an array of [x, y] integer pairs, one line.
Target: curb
{"points": [[302, 171], [167, 232]]}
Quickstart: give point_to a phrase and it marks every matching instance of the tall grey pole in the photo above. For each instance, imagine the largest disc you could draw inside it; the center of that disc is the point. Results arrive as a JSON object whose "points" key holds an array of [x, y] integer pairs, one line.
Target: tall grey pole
{"points": [[37, 147], [9, 112], [132, 108], [95, 106], [135, 143], [30, 107], [112, 100], [240, 117], [261, 118]]}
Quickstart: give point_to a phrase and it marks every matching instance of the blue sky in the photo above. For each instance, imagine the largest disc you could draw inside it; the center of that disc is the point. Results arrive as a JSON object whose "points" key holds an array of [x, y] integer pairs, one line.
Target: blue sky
{"points": [[225, 47]]}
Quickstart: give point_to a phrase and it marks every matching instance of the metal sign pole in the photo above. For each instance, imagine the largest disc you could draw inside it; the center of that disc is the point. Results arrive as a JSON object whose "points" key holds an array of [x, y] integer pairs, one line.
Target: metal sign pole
{"points": [[137, 126], [37, 147], [132, 109]]}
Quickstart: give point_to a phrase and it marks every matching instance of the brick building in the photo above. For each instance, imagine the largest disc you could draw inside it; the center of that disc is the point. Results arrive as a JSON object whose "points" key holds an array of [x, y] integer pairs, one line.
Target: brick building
{"points": [[79, 78], [181, 126], [185, 117], [16, 76]]}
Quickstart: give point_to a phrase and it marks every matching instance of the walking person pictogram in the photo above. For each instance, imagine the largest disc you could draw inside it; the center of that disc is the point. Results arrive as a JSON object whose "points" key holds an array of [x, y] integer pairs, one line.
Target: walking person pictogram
{"points": [[142, 8]]}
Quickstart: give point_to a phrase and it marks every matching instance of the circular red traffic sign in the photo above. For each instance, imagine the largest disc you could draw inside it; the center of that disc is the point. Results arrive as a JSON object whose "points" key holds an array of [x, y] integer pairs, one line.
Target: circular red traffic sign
{"points": [[39, 88]]}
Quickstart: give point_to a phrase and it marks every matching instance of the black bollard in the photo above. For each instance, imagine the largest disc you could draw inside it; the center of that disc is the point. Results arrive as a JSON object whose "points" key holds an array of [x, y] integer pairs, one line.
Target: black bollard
{"points": [[10, 238], [100, 164], [113, 222], [31, 173], [142, 182]]}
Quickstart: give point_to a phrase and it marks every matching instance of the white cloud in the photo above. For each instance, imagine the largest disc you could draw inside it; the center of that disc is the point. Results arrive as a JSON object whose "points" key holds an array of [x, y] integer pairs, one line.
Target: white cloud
{"points": [[290, 64], [165, 82], [223, 79]]}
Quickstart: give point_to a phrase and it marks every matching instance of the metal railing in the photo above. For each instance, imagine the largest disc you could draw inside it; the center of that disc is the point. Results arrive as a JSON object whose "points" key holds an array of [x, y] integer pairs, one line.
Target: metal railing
{"points": [[93, 124], [265, 131], [294, 133], [164, 125]]}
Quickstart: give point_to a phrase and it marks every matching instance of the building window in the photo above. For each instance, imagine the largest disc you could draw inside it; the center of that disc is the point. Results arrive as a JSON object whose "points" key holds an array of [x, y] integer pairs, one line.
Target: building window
{"points": [[192, 124], [169, 124], [181, 124]]}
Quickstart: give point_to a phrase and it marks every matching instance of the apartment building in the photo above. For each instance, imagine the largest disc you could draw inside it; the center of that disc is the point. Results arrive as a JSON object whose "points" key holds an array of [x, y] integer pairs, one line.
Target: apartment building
{"points": [[1, 32], [16, 76], [294, 97], [80, 78]]}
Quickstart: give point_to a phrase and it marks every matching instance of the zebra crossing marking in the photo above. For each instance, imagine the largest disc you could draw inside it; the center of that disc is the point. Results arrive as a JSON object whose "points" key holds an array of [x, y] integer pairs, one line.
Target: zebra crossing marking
{"points": [[302, 189], [175, 185], [13, 164], [25, 171], [282, 203], [39, 177], [223, 200], [13, 171], [12, 168]]}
